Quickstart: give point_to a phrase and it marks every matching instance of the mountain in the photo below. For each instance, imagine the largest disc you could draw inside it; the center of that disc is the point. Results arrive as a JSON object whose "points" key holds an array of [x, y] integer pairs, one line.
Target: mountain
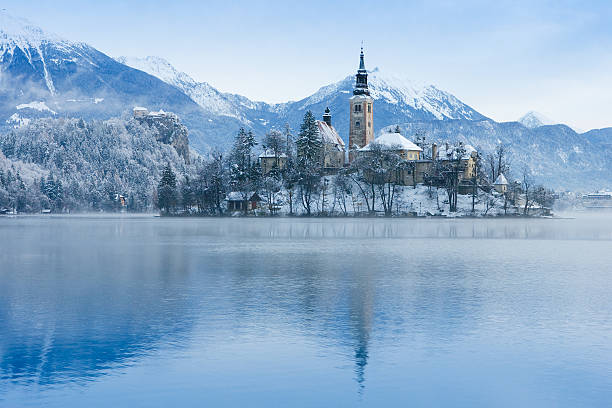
{"points": [[44, 75], [212, 101], [556, 155], [396, 100], [534, 119]]}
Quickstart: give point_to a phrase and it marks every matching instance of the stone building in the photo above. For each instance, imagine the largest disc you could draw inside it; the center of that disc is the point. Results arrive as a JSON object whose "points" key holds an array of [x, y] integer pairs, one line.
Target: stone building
{"points": [[334, 151], [446, 154], [361, 108], [394, 141], [268, 160], [414, 171], [169, 128]]}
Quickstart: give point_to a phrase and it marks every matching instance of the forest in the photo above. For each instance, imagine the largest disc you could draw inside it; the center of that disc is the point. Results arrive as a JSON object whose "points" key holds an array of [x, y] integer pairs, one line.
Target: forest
{"points": [[70, 165]]}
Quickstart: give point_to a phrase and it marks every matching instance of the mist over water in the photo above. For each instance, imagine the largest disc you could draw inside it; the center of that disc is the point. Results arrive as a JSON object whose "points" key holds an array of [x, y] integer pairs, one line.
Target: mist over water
{"points": [[140, 311]]}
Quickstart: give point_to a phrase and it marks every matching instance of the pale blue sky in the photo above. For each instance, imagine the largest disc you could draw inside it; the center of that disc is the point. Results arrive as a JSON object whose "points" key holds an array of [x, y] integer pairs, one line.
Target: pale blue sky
{"points": [[501, 57]]}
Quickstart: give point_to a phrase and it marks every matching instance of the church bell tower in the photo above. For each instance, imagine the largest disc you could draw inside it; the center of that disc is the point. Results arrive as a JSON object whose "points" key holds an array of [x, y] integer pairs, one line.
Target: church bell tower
{"points": [[361, 125]]}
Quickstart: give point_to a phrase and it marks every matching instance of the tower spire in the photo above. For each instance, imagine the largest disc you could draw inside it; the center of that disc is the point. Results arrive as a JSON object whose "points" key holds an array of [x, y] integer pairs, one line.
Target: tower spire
{"points": [[361, 83], [361, 63]]}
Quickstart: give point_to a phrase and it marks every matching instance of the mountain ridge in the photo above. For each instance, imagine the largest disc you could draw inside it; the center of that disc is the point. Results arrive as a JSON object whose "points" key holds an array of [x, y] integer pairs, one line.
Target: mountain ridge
{"points": [[43, 76]]}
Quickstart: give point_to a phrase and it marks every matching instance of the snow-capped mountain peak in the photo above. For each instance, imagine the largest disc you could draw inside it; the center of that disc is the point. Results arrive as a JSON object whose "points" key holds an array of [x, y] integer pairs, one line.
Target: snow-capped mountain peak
{"points": [[419, 96], [159, 68], [534, 119], [19, 32], [19, 37], [202, 93], [405, 96]]}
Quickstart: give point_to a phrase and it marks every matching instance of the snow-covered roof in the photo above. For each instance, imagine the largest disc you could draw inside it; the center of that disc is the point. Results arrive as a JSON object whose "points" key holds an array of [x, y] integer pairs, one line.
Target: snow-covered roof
{"points": [[446, 152], [269, 153], [393, 140], [329, 135], [501, 180], [237, 196]]}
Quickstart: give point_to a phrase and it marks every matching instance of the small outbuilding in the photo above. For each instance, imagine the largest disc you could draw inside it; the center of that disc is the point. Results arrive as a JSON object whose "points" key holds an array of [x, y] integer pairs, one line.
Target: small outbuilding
{"points": [[236, 201], [501, 184]]}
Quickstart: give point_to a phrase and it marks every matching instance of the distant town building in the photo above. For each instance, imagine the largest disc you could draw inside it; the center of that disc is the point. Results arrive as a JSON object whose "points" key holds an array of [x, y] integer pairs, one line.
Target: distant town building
{"points": [[170, 130], [268, 161], [467, 162], [140, 112]]}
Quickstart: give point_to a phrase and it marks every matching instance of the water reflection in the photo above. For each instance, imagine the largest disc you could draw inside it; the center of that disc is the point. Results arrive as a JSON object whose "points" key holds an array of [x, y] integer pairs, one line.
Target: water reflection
{"points": [[72, 312], [81, 299]]}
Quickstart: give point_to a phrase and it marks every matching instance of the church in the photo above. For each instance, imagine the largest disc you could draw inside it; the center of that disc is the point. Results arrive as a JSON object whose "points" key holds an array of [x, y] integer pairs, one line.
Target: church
{"points": [[361, 126], [361, 108]]}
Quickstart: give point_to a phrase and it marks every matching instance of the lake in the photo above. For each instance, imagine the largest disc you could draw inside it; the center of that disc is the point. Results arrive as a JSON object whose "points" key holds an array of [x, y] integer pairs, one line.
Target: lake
{"points": [[141, 311]]}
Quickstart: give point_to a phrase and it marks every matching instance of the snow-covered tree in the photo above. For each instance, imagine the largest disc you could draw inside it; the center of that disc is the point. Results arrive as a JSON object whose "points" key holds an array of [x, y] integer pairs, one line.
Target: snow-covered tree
{"points": [[166, 190], [309, 164]]}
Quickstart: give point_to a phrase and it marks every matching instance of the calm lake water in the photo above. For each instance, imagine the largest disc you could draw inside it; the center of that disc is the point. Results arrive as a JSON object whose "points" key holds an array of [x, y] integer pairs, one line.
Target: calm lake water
{"points": [[142, 311]]}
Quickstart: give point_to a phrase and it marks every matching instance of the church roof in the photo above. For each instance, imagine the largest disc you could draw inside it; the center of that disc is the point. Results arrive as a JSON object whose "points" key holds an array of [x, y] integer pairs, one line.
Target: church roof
{"points": [[329, 135], [501, 180], [393, 140]]}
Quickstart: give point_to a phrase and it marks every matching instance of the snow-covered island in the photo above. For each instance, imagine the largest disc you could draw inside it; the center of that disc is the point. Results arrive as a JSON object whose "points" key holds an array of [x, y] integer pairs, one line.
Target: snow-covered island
{"points": [[312, 173]]}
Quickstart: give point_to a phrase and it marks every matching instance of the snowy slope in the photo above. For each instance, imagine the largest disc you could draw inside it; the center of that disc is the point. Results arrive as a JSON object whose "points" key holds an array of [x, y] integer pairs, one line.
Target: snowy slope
{"points": [[43, 75], [210, 99], [397, 100], [18, 36], [534, 119]]}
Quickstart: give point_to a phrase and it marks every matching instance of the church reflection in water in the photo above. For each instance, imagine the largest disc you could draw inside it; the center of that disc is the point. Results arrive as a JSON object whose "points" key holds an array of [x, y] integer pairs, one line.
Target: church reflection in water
{"points": [[72, 313]]}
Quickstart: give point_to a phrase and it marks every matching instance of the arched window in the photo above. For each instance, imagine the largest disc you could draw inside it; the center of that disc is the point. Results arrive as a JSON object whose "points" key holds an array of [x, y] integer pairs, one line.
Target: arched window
{"points": [[357, 108], [357, 124]]}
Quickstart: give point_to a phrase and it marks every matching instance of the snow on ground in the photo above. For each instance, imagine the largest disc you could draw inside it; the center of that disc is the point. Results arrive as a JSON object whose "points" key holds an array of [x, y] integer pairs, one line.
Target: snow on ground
{"points": [[419, 201]]}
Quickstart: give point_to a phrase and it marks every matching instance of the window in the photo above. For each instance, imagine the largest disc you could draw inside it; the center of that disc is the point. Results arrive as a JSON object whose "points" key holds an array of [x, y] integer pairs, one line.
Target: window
{"points": [[357, 108], [369, 108], [357, 124], [369, 124]]}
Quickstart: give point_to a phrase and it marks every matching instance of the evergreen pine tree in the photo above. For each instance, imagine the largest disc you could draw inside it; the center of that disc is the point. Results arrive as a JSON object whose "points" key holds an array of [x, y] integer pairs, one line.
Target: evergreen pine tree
{"points": [[166, 190], [309, 163], [244, 174]]}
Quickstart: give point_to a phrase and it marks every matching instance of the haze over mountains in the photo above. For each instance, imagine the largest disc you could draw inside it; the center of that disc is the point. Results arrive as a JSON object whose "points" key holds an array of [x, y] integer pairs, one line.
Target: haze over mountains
{"points": [[42, 75]]}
